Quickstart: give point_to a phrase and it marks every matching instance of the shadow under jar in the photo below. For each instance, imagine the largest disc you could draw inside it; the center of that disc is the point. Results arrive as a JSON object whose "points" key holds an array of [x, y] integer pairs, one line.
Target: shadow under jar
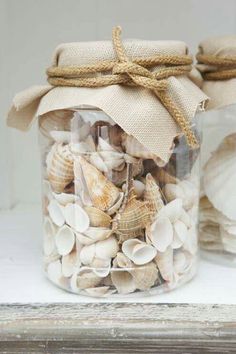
{"points": [[116, 222]]}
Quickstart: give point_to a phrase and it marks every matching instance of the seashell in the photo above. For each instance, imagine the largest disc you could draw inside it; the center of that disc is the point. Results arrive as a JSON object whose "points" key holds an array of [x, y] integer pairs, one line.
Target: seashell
{"points": [[101, 267], [70, 263], [123, 261], [164, 261], [180, 234], [184, 190], [139, 188], [138, 252], [81, 188], [123, 281], [59, 119], [49, 237], [133, 215], [119, 177], [54, 271], [191, 242], [152, 195], [163, 177], [99, 291], [105, 249], [96, 160], [84, 279], [97, 217], [76, 217], [60, 167], [56, 212], [102, 192], [79, 128], [133, 147], [185, 218], [219, 177], [61, 136], [65, 240], [173, 210], [117, 205], [160, 233], [64, 198], [53, 257], [93, 234], [145, 276]]}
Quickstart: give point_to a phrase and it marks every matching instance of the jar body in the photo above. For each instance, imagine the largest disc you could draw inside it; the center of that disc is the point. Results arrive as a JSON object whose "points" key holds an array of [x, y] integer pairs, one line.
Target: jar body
{"points": [[218, 202], [115, 221]]}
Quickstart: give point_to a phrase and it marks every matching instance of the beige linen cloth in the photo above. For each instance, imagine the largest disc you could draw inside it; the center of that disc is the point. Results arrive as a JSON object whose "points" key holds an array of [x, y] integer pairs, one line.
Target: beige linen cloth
{"points": [[221, 92], [137, 110]]}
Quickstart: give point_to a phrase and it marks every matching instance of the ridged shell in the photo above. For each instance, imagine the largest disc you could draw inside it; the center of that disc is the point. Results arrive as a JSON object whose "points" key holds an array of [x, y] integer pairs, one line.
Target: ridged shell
{"points": [[145, 276], [60, 167], [152, 195], [123, 281], [97, 217], [84, 279], [220, 175], [102, 192]]}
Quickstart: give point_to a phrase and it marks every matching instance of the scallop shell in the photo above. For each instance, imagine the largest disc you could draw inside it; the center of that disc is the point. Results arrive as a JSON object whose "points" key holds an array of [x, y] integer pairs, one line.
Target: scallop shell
{"points": [[65, 240], [145, 276], [76, 217], [56, 212], [84, 279], [97, 217], [133, 216], [138, 252], [102, 192], [220, 175], [152, 195], [93, 234], [59, 119], [60, 167], [49, 237]]}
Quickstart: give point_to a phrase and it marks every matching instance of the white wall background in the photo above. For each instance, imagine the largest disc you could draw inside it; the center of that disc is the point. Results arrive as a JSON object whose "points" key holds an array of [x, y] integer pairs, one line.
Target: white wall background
{"points": [[31, 29]]}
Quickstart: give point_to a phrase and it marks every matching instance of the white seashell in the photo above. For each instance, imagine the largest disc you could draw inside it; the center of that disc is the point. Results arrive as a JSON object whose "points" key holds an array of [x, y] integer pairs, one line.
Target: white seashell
{"points": [[84, 279], [59, 119], [173, 191], [185, 218], [56, 212], [172, 210], [65, 240], [87, 254], [123, 281], [93, 234], [96, 160], [49, 237], [139, 188], [228, 237], [97, 217], [117, 204], [161, 233], [122, 261], [138, 252], [107, 249], [164, 261], [76, 217], [64, 198], [61, 136], [70, 263], [182, 262], [54, 271], [191, 242], [180, 234], [101, 267], [220, 175]]}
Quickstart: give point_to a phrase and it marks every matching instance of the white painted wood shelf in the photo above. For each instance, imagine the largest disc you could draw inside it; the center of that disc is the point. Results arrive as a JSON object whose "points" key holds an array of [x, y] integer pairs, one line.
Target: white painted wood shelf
{"points": [[37, 317]]}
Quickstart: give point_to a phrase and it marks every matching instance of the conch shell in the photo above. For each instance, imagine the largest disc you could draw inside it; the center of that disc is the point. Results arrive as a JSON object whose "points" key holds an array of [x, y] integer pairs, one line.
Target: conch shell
{"points": [[152, 195], [102, 192], [60, 167], [133, 215]]}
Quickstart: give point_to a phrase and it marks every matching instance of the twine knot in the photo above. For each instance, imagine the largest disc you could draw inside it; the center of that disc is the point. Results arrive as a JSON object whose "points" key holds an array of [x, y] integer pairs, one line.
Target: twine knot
{"points": [[131, 72]]}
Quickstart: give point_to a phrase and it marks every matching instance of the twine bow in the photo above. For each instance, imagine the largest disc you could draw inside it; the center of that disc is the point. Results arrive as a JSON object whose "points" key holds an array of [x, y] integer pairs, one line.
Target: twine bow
{"points": [[134, 73], [220, 68]]}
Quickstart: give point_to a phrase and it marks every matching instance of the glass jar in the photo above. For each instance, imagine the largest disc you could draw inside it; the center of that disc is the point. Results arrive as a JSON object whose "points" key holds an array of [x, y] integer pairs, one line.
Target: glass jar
{"points": [[218, 202], [116, 222]]}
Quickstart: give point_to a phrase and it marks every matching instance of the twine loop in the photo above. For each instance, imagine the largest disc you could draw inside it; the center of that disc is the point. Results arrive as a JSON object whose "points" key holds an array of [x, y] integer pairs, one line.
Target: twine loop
{"points": [[219, 68], [131, 72]]}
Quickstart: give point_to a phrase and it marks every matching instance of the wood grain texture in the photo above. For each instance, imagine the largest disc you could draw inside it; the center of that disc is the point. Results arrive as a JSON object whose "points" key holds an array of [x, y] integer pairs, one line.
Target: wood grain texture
{"points": [[117, 328]]}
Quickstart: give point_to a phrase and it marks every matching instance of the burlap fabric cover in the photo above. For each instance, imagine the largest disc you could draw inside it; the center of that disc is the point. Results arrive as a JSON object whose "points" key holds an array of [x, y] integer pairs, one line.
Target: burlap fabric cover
{"points": [[221, 92], [135, 109]]}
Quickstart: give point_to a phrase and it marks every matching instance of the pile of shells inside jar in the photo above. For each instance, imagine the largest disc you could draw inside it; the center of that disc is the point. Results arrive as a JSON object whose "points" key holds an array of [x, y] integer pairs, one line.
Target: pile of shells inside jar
{"points": [[218, 206], [116, 221]]}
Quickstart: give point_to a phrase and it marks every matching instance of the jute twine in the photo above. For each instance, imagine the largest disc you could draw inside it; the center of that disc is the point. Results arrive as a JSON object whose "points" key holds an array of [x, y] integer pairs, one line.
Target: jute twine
{"points": [[224, 67], [134, 73]]}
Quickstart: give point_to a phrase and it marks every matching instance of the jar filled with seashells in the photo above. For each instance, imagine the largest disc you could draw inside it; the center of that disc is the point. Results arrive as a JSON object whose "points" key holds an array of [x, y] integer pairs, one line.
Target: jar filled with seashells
{"points": [[216, 62], [116, 221]]}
